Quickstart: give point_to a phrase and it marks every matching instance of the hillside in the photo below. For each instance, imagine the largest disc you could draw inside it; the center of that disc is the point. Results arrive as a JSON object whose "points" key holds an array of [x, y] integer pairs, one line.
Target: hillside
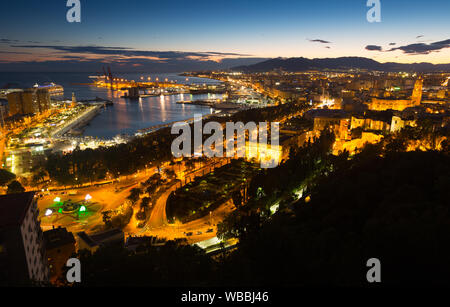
{"points": [[303, 64]]}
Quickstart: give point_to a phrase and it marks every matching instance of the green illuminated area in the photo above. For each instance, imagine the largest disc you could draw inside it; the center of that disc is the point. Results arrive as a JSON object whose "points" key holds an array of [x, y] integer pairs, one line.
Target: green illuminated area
{"points": [[62, 210]]}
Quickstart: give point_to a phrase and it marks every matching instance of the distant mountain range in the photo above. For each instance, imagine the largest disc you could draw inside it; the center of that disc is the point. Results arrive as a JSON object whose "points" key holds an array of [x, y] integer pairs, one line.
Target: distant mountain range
{"points": [[303, 64]]}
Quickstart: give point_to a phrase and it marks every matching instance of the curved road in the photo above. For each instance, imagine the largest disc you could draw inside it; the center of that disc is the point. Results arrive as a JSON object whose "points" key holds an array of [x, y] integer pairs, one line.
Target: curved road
{"points": [[158, 216]]}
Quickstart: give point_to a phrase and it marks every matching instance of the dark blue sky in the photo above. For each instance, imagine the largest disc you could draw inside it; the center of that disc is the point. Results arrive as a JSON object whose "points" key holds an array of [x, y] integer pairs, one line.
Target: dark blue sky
{"points": [[258, 29]]}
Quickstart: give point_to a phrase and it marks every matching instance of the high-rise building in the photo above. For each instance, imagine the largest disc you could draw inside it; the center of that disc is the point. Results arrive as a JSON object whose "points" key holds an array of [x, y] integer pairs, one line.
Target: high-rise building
{"points": [[43, 99], [22, 252], [29, 101], [15, 103]]}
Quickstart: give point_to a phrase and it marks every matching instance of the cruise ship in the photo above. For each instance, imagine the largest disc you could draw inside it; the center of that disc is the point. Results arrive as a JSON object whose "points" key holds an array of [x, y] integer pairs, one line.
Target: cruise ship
{"points": [[53, 89]]}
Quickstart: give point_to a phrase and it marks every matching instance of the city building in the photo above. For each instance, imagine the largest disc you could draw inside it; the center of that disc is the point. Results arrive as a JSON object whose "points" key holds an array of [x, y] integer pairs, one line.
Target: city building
{"points": [[74, 100], [400, 121], [336, 120], [372, 120], [94, 241], [416, 96], [398, 104], [59, 246], [383, 104], [4, 111], [140, 244], [22, 250], [28, 101]]}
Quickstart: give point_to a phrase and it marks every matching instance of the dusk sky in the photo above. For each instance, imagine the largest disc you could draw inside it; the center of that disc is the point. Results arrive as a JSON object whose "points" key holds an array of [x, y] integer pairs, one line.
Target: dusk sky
{"points": [[135, 32]]}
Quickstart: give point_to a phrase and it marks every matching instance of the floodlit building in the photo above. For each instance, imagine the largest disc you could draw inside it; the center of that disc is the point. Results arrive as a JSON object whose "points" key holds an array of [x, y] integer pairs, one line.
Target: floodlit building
{"points": [[401, 121], [416, 96], [392, 103], [22, 250], [372, 120], [336, 120], [383, 104]]}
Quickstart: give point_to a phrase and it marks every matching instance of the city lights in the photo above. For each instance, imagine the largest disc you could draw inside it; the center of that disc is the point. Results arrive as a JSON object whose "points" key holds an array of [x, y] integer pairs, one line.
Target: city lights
{"points": [[218, 149]]}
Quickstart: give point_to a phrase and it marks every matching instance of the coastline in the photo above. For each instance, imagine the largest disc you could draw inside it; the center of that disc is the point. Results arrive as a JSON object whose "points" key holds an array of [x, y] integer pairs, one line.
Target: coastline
{"points": [[81, 120], [214, 105]]}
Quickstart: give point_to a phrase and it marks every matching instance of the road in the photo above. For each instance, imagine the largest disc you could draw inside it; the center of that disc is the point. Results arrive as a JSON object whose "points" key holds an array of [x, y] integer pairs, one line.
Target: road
{"points": [[179, 230], [106, 197], [157, 223], [113, 195], [158, 216]]}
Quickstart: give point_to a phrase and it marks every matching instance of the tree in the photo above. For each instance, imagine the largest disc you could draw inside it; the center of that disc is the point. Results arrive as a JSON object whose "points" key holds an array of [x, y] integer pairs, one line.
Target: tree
{"points": [[170, 173], [15, 187], [238, 224], [107, 218], [134, 195], [145, 203]]}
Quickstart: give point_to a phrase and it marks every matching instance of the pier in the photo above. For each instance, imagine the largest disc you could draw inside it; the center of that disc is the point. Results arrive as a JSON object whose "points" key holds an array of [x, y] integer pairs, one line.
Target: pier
{"points": [[80, 120]]}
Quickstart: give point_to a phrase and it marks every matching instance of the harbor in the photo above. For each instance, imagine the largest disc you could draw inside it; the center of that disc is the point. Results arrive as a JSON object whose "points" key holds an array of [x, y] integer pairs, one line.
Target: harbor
{"points": [[128, 104], [75, 126]]}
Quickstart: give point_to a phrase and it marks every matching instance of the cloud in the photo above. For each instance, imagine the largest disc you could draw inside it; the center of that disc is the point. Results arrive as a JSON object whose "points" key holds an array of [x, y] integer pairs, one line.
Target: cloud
{"points": [[373, 48], [130, 52], [8, 41], [72, 63], [422, 48], [89, 58], [319, 41], [15, 41], [14, 52]]}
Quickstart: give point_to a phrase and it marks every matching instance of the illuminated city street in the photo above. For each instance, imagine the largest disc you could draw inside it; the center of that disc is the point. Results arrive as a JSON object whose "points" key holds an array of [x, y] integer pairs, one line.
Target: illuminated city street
{"points": [[221, 152]]}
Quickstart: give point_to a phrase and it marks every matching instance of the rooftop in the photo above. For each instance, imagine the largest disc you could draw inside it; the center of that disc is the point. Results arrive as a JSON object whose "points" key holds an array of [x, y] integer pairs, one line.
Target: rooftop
{"points": [[13, 208], [58, 237], [385, 116], [99, 237], [326, 113]]}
